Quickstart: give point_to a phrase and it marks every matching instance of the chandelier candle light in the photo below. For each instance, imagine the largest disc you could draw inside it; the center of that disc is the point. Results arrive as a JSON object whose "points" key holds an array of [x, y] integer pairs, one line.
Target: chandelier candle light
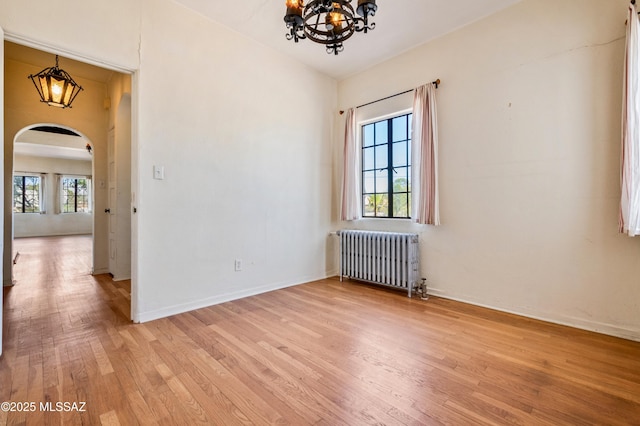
{"points": [[328, 22], [55, 86]]}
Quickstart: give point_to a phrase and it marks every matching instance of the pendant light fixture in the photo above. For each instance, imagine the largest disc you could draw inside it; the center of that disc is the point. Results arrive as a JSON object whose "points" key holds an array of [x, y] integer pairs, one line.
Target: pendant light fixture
{"points": [[55, 86], [328, 22]]}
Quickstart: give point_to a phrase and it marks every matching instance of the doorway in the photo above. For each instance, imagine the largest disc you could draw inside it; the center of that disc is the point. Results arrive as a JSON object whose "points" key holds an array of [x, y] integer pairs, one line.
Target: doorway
{"points": [[104, 104], [52, 192]]}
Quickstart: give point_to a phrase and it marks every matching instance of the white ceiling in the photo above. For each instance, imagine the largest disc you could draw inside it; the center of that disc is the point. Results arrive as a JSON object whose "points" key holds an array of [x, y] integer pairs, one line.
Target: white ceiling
{"points": [[400, 26]]}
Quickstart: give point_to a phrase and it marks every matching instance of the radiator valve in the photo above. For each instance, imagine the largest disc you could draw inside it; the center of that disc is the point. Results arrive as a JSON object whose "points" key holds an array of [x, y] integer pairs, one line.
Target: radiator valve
{"points": [[421, 289]]}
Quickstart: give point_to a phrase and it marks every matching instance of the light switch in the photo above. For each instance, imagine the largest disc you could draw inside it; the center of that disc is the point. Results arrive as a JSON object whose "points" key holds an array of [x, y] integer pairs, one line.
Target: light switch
{"points": [[158, 172]]}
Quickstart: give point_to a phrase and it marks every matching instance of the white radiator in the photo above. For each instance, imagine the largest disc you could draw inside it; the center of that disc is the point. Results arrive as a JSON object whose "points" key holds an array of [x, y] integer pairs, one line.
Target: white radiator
{"points": [[386, 258]]}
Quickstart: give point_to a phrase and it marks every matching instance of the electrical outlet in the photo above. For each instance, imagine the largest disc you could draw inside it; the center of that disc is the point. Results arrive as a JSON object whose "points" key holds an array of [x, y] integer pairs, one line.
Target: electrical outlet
{"points": [[238, 265]]}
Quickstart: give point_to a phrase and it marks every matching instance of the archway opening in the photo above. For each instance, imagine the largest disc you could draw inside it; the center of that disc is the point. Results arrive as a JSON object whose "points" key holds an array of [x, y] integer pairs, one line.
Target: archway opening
{"points": [[53, 184]]}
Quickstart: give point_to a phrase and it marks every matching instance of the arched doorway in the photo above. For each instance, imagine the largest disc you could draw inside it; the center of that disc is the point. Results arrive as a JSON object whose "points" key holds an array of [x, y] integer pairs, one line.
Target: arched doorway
{"points": [[53, 185]]}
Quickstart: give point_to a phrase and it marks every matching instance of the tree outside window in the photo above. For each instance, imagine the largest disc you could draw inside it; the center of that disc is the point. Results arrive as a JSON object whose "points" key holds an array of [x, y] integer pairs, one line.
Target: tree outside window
{"points": [[75, 195], [26, 194]]}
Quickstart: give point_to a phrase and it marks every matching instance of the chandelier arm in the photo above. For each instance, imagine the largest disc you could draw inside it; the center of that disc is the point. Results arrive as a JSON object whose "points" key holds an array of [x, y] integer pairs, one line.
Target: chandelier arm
{"points": [[317, 21], [295, 34], [363, 25]]}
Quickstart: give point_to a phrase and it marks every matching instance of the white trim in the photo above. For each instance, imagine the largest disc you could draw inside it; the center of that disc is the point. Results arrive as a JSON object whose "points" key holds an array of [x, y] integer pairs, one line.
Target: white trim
{"points": [[222, 298], [135, 172], [57, 50], [121, 278], [2, 236], [582, 324]]}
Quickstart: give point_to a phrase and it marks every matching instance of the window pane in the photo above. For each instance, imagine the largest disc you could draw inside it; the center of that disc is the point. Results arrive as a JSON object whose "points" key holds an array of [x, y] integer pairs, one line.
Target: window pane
{"points": [[31, 194], [369, 182], [82, 196], [26, 194], [400, 154], [67, 195], [382, 181], [382, 157], [400, 205], [382, 205], [17, 194], [367, 159], [399, 128], [369, 205], [400, 181], [367, 135], [386, 169], [381, 132]]}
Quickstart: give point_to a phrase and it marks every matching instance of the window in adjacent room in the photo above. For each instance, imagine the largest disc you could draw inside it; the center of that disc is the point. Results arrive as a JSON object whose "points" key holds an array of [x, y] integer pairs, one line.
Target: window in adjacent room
{"points": [[75, 195], [386, 168], [26, 194]]}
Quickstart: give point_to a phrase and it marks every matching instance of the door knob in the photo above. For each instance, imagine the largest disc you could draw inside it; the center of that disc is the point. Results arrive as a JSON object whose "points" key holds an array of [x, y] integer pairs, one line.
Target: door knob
{"points": [[107, 210]]}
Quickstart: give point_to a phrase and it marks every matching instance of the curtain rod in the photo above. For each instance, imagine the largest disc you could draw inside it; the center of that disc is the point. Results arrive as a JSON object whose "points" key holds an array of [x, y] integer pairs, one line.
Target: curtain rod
{"points": [[437, 82]]}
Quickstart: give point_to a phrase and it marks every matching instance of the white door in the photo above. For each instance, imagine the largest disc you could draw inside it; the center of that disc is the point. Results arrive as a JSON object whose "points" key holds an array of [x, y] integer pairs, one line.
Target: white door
{"points": [[1, 170], [112, 201]]}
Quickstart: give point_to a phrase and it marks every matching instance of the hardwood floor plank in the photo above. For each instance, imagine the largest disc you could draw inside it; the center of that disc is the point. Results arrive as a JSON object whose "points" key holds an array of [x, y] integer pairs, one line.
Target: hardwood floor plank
{"points": [[109, 419], [322, 353], [232, 385]]}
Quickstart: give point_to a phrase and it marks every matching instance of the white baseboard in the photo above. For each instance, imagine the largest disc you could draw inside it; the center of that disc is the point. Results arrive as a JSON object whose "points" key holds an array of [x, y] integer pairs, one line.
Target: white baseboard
{"points": [[121, 278], [595, 326], [222, 298], [52, 234]]}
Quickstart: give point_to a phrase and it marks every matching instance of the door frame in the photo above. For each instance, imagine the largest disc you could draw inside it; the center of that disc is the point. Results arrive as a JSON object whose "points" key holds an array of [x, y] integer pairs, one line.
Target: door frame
{"points": [[25, 41]]}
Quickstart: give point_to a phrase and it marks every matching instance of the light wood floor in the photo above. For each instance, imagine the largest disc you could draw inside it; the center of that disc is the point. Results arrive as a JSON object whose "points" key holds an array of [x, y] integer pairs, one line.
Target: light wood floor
{"points": [[325, 353]]}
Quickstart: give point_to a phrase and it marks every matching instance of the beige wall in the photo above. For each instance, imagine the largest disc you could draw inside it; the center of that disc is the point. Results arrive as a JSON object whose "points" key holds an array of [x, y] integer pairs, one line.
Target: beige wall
{"points": [[529, 119], [244, 135], [529, 116]]}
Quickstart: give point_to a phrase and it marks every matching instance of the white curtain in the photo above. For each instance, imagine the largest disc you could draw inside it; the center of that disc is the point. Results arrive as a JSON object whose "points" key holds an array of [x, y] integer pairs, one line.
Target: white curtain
{"points": [[350, 209], [425, 207], [630, 174], [57, 209], [43, 193]]}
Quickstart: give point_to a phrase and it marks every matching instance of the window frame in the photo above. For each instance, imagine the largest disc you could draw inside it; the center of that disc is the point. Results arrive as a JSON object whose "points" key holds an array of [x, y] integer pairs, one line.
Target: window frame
{"points": [[391, 164], [25, 175], [63, 194]]}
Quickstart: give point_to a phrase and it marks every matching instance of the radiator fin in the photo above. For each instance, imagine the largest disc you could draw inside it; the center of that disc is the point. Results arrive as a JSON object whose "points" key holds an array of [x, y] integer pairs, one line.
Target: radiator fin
{"points": [[386, 258]]}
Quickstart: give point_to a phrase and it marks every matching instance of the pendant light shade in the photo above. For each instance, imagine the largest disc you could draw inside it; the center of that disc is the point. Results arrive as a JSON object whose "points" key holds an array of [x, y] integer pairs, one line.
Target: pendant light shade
{"points": [[55, 86]]}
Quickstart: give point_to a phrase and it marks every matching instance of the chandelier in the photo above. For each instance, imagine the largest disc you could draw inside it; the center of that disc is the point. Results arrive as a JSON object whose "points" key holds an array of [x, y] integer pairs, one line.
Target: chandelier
{"points": [[328, 22], [55, 86]]}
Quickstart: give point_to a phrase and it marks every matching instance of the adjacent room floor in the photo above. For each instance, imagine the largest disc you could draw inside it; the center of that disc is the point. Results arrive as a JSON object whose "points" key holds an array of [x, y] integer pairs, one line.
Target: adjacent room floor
{"points": [[321, 353]]}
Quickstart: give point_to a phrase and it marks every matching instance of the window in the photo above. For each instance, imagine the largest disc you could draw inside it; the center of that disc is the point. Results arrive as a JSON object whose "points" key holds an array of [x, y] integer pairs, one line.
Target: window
{"points": [[386, 168], [26, 194], [75, 195]]}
